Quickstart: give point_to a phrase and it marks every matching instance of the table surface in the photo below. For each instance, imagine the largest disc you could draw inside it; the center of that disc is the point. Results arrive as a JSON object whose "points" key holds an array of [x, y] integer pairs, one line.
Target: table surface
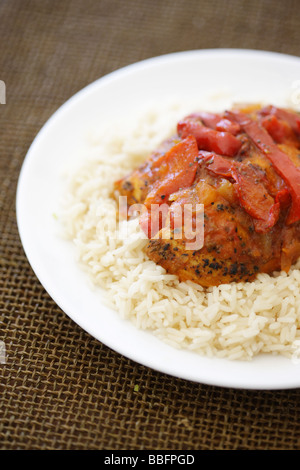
{"points": [[61, 388]]}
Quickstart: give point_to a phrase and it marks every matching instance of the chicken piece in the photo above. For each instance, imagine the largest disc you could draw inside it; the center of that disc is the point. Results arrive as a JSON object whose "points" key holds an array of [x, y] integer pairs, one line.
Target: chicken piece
{"points": [[233, 251], [241, 167]]}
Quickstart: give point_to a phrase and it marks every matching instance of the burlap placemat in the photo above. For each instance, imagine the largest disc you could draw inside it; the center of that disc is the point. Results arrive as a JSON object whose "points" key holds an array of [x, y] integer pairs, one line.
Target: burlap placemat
{"points": [[60, 388]]}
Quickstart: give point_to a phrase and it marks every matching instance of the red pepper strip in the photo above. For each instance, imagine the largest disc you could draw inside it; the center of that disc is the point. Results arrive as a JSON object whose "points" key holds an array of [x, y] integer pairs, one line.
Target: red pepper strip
{"points": [[222, 143], [221, 166], [228, 126], [208, 119], [215, 121], [251, 192], [280, 160], [283, 197], [177, 170], [255, 199], [278, 129], [292, 118]]}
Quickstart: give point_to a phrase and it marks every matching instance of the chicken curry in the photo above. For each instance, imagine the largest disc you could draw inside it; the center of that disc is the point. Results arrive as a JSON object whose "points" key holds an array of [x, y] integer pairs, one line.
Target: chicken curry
{"points": [[243, 166]]}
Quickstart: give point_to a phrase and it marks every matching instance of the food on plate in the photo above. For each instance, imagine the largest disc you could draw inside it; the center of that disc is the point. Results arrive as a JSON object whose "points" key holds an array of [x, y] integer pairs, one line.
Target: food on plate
{"points": [[234, 320], [242, 165]]}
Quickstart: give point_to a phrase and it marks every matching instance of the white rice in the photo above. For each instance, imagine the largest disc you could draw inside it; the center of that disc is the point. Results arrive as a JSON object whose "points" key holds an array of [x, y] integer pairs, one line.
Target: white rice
{"points": [[236, 321]]}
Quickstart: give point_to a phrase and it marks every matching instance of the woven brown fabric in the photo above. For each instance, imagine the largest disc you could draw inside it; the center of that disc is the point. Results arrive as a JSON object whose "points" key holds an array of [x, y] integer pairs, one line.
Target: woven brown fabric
{"points": [[60, 388]]}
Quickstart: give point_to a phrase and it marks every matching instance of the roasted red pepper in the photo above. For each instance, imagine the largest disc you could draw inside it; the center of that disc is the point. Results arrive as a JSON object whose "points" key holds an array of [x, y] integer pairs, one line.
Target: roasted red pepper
{"points": [[221, 166], [278, 129], [177, 169], [292, 118], [281, 162], [253, 197], [223, 143]]}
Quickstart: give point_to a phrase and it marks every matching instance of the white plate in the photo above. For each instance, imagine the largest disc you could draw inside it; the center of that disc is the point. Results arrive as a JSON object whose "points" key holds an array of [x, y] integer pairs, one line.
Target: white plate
{"points": [[239, 74]]}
